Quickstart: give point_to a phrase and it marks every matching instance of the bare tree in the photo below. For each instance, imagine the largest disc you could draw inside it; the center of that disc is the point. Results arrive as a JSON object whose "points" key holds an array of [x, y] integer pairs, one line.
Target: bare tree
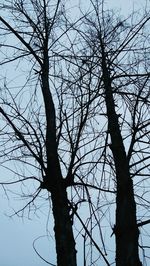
{"points": [[119, 51], [33, 29], [79, 123]]}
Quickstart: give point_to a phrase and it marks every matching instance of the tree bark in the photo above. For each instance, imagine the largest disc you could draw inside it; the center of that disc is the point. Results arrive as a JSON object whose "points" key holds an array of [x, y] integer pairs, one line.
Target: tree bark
{"points": [[126, 229]]}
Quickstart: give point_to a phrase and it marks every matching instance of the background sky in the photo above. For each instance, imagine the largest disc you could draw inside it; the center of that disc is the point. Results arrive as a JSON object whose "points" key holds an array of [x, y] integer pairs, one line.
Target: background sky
{"points": [[16, 234]]}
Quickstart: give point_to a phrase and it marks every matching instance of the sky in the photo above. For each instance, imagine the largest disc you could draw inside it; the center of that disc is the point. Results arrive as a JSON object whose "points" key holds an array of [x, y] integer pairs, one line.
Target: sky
{"points": [[16, 234]]}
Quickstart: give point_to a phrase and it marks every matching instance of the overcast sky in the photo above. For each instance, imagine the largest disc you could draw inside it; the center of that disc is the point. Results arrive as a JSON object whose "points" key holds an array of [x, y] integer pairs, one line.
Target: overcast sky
{"points": [[17, 235]]}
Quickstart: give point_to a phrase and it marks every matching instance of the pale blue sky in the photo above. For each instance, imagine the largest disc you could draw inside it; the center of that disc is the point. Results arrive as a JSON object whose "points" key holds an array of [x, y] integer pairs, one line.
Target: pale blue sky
{"points": [[17, 235]]}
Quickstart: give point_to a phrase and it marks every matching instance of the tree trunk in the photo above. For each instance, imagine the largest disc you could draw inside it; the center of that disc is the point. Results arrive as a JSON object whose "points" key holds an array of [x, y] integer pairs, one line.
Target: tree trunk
{"points": [[65, 244], [126, 229], [53, 181]]}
